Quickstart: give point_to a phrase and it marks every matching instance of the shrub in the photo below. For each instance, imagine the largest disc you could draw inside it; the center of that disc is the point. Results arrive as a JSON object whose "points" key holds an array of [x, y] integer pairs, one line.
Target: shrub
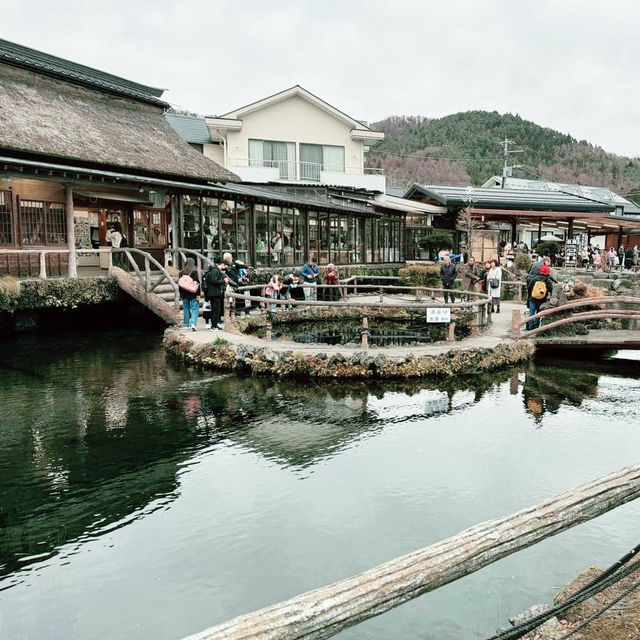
{"points": [[522, 261], [420, 275], [439, 239], [550, 249]]}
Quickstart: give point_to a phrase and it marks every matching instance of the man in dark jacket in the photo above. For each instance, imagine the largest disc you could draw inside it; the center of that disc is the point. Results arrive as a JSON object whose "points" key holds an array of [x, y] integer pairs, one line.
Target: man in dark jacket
{"points": [[539, 288], [214, 284], [448, 275]]}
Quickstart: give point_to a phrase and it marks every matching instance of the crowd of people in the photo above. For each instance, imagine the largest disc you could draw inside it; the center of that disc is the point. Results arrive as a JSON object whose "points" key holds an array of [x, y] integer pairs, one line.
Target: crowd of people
{"points": [[227, 275]]}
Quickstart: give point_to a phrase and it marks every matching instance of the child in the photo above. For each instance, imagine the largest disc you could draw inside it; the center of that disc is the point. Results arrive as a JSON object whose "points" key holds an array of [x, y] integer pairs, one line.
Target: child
{"points": [[273, 289]]}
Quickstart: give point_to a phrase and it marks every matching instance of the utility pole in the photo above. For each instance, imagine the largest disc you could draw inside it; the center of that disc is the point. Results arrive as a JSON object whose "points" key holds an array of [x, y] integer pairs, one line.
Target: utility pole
{"points": [[507, 171]]}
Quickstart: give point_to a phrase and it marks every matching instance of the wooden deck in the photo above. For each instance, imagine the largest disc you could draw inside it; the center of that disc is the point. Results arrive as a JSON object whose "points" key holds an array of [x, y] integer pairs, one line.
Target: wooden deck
{"points": [[600, 339]]}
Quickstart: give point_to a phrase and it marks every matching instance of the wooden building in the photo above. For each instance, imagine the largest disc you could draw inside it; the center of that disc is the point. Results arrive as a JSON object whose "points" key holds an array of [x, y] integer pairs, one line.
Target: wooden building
{"points": [[81, 150]]}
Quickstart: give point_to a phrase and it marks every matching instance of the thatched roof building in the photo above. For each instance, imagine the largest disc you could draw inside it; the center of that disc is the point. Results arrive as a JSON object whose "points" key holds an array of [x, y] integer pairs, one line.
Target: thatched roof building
{"points": [[55, 109]]}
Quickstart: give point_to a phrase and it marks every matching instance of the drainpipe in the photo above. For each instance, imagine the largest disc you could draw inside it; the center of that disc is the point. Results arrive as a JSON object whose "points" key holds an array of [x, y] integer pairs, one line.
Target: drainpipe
{"points": [[71, 233]]}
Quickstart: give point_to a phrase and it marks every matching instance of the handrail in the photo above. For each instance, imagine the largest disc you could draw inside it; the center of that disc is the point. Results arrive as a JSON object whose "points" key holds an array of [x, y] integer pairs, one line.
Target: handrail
{"points": [[201, 259], [606, 314], [146, 279], [325, 611]]}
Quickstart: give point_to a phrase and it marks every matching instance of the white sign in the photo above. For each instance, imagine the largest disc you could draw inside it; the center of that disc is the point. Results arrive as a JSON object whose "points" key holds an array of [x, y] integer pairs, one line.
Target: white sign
{"points": [[438, 314]]}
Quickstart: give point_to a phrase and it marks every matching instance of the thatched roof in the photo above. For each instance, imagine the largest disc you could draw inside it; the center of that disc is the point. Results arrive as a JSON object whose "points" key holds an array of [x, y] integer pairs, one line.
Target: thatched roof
{"points": [[53, 118]]}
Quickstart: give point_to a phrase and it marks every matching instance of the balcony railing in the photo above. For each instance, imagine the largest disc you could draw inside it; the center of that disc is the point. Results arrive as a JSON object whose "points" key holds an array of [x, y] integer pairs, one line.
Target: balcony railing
{"points": [[298, 170]]}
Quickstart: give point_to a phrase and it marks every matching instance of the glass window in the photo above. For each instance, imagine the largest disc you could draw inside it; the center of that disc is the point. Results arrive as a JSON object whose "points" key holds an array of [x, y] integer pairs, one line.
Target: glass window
{"points": [[276, 240], [228, 226], [6, 219], [299, 237], [314, 244], [211, 237], [242, 238], [288, 237], [191, 223], [43, 223], [262, 235], [273, 153], [149, 229], [316, 157], [323, 237]]}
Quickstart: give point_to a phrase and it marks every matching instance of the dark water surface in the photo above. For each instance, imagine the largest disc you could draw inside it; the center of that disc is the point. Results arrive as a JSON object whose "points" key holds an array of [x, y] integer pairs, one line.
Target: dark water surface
{"points": [[138, 501]]}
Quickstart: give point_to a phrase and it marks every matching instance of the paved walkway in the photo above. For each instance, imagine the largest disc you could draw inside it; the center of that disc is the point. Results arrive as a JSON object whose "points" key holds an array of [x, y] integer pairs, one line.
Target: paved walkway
{"points": [[496, 333]]}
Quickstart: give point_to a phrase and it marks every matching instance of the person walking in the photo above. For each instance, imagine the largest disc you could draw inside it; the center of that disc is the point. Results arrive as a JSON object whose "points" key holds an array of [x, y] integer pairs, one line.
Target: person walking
{"points": [[494, 278], [214, 284], [333, 277], [189, 288], [448, 276], [309, 273], [539, 290]]}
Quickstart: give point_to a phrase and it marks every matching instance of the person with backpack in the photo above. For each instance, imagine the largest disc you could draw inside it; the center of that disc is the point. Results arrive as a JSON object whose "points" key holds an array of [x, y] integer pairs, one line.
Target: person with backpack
{"points": [[214, 284], [539, 290], [118, 241], [189, 287]]}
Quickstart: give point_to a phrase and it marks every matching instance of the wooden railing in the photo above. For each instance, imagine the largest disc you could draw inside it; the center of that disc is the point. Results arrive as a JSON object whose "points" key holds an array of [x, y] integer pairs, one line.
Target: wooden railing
{"points": [[479, 305], [199, 258], [518, 321], [43, 253], [326, 611], [149, 280]]}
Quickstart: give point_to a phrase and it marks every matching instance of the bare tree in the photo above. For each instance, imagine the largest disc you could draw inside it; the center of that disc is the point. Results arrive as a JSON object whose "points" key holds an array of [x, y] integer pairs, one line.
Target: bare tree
{"points": [[467, 224]]}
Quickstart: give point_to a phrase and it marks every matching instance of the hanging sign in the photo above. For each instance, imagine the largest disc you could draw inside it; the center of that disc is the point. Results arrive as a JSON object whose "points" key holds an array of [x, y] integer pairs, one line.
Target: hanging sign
{"points": [[570, 253], [438, 314]]}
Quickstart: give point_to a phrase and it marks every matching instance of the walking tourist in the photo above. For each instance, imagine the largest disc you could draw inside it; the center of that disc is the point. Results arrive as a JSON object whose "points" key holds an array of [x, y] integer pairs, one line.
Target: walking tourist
{"points": [[214, 284], [309, 273], [189, 287], [484, 282], [621, 257], [539, 290], [597, 259], [448, 276], [494, 278]]}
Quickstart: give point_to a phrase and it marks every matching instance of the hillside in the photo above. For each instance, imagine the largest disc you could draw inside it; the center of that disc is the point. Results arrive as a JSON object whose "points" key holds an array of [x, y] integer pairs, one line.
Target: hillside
{"points": [[465, 148]]}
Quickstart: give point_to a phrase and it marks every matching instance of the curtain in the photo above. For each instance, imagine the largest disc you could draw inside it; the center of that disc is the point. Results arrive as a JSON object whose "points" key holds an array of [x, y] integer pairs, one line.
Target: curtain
{"points": [[333, 159], [311, 161], [256, 153]]}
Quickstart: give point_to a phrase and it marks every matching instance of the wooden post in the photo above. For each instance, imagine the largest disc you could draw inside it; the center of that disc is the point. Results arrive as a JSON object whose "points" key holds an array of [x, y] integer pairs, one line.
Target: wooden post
{"points": [[110, 262], [147, 274], [326, 611], [227, 314], [516, 319], [364, 337], [268, 334], [43, 265], [71, 234], [451, 332], [419, 294]]}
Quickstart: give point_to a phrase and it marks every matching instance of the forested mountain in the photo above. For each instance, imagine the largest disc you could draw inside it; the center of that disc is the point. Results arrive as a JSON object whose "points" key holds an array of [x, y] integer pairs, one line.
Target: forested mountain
{"points": [[465, 148]]}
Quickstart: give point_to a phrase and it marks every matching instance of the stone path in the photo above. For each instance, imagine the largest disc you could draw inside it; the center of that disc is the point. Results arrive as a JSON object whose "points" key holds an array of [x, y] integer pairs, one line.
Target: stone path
{"points": [[496, 333]]}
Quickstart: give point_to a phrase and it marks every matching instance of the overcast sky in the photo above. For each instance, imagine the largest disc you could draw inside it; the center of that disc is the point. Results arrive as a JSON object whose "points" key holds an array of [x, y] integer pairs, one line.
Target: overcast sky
{"points": [[572, 66]]}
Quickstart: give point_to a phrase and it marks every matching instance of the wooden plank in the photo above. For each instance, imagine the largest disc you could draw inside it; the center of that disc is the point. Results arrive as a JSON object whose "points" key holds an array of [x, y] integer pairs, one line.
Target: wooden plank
{"points": [[325, 612]]}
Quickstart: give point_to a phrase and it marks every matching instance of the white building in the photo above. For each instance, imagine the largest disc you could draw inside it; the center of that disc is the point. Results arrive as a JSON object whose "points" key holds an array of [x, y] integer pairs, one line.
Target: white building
{"points": [[290, 137]]}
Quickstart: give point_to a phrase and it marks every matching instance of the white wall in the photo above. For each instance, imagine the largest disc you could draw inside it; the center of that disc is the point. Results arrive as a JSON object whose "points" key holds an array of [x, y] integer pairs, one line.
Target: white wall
{"points": [[294, 120], [214, 152]]}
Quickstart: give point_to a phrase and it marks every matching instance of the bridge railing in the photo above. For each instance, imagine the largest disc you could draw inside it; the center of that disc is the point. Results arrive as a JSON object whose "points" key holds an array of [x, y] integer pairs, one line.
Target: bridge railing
{"points": [[146, 274], [518, 321], [42, 257], [478, 303]]}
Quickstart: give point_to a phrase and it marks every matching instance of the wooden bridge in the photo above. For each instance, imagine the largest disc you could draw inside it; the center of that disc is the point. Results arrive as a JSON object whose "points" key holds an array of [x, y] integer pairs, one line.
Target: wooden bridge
{"points": [[626, 308]]}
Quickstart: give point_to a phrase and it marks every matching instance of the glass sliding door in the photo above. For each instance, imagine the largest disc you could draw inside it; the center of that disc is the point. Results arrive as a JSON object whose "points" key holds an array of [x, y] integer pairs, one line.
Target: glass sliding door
{"points": [[262, 235], [243, 226], [211, 227], [191, 223], [310, 162]]}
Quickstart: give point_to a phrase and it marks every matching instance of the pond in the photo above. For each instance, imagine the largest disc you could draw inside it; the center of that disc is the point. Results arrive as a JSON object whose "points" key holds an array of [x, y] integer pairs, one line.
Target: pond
{"points": [[141, 501]]}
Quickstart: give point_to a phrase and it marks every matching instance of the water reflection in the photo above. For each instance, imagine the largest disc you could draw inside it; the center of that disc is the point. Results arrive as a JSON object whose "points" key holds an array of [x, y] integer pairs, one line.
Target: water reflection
{"points": [[95, 430]]}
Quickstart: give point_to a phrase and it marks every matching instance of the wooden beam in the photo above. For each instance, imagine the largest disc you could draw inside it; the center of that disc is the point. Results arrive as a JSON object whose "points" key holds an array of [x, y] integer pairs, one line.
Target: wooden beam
{"points": [[325, 612], [71, 233]]}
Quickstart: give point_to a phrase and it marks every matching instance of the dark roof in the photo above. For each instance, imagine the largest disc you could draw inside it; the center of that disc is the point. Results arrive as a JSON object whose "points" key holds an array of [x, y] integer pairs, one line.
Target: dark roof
{"points": [[190, 128], [519, 199], [53, 119], [43, 63]]}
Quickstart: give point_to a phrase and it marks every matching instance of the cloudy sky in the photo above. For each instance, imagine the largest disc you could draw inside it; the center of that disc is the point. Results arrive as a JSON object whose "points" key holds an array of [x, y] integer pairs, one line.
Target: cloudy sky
{"points": [[568, 65]]}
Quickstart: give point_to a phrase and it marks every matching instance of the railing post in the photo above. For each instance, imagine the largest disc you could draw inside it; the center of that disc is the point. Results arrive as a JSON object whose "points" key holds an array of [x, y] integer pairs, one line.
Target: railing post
{"points": [[451, 331], [227, 313], [110, 262], [419, 294], [268, 334], [43, 265], [147, 274], [516, 319], [364, 339]]}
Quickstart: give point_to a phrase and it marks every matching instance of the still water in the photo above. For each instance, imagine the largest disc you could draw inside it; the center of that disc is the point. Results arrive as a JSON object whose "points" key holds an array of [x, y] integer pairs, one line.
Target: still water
{"points": [[140, 501]]}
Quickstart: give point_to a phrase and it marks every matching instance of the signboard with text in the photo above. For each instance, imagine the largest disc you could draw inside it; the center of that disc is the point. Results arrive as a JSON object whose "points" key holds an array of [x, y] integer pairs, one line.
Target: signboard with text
{"points": [[570, 253], [438, 314]]}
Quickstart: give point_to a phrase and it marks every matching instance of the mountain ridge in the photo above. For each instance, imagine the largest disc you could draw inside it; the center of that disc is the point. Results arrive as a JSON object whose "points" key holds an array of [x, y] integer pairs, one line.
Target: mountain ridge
{"points": [[466, 148]]}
